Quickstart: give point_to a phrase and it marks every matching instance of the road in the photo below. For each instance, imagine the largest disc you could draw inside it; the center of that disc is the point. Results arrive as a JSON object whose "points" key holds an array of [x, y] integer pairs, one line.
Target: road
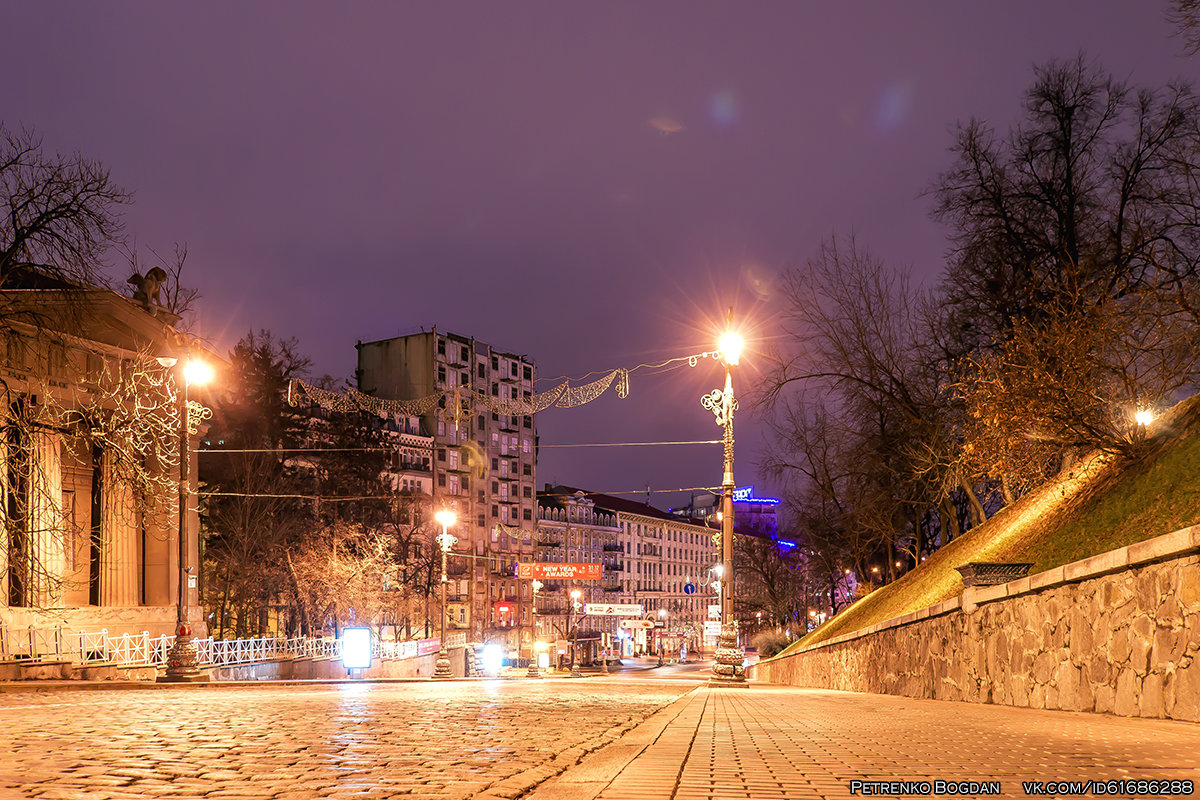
{"points": [[642, 734]]}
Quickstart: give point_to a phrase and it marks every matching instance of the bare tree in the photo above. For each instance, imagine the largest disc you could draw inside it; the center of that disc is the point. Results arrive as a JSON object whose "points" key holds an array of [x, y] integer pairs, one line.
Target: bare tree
{"points": [[1071, 294], [60, 213], [1185, 16]]}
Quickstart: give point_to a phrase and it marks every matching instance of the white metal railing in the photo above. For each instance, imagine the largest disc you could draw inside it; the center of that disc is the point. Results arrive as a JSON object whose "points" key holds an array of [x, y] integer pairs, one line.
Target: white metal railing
{"points": [[142, 649]]}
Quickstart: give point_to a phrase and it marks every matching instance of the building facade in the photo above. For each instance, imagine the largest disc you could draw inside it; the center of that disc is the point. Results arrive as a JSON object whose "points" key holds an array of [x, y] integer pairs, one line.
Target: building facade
{"points": [[483, 469], [571, 530], [90, 465], [665, 564]]}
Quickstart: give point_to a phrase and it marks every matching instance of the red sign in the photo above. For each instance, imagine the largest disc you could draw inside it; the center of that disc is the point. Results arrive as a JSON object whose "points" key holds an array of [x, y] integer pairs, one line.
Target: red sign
{"points": [[566, 572]]}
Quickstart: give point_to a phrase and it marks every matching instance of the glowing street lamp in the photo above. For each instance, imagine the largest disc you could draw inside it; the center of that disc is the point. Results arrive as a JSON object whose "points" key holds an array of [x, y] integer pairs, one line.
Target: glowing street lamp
{"points": [[182, 662], [729, 663], [1143, 417], [573, 630], [533, 661], [445, 541]]}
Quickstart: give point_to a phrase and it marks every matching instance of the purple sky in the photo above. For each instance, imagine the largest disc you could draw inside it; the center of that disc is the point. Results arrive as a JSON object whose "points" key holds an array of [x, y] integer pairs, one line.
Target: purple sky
{"points": [[589, 184]]}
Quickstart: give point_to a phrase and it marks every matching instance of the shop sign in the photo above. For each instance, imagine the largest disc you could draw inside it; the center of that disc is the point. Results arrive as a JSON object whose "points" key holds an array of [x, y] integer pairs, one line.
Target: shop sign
{"points": [[561, 572]]}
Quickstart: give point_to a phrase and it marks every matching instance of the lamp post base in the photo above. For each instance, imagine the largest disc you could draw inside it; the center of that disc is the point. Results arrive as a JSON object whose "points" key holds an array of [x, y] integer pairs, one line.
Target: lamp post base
{"points": [[441, 669], [729, 661], [182, 661]]}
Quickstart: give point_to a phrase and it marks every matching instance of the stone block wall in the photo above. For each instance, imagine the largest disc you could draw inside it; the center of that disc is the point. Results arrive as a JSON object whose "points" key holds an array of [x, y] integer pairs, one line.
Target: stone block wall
{"points": [[1117, 633]]}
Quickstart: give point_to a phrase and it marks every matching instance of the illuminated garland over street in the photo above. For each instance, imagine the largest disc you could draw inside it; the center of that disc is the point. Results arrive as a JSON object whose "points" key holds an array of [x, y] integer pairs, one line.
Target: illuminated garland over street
{"points": [[459, 401]]}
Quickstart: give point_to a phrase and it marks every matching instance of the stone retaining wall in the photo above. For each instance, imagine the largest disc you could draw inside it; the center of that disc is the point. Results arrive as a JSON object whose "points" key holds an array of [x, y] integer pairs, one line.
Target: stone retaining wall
{"points": [[1117, 633]]}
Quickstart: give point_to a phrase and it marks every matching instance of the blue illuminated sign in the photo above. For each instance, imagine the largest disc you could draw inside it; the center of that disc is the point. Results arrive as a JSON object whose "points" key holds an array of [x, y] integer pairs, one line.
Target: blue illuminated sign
{"points": [[746, 495]]}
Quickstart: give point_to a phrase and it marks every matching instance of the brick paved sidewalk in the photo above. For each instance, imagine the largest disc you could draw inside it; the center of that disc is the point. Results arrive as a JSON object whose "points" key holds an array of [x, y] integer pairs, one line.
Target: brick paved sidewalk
{"points": [[785, 742]]}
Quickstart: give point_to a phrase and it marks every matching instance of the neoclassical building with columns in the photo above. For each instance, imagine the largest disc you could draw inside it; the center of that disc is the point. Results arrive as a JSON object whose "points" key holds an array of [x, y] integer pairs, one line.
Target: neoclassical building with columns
{"points": [[90, 464]]}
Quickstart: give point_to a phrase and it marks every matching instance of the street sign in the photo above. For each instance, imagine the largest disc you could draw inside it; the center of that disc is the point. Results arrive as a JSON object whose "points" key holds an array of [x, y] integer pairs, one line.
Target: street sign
{"points": [[554, 571], [689, 588], [712, 627], [634, 624], [611, 610], [714, 612]]}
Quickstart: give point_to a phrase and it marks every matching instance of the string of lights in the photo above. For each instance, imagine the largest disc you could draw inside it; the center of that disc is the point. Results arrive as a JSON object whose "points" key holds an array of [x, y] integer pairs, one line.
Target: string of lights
{"points": [[458, 401], [678, 361]]}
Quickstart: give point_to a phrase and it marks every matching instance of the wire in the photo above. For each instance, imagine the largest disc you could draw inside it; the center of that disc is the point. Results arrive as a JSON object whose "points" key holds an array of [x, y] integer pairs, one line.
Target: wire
{"points": [[630, 444], [297, 450], [334, 499], [679, 361], [716, 490], [294, 496]]}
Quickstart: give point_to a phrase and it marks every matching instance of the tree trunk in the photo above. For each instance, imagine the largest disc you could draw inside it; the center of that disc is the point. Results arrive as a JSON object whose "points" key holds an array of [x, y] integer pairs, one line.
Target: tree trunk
{"points": [[978, 516], [1006, 490], [950, 526]]}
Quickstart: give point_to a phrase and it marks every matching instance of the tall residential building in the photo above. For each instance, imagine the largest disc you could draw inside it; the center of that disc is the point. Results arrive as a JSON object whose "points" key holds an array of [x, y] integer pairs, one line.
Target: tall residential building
{"points": [[483, 469]]}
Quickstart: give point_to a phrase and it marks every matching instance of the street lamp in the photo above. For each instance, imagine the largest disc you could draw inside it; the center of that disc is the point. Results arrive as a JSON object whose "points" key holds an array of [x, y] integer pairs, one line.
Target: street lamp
{"points": [[729, 662], [182, 662], [573, 630], [445, 540], [533, 654], [662, 617]]}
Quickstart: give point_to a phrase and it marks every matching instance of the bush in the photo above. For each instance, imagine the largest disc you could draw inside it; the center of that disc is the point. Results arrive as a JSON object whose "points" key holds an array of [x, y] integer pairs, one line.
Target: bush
{"points": [[769, 643]]}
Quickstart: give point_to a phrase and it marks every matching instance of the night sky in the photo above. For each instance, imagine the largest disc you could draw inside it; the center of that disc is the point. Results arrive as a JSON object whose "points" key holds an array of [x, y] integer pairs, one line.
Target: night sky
{"points": [[588, 184]]}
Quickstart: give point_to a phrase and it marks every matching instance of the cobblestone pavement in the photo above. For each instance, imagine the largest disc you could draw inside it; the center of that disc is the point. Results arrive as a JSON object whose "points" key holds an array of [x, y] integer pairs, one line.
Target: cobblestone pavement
{"points": [[606, 738], [773, 742], [438, 740]]}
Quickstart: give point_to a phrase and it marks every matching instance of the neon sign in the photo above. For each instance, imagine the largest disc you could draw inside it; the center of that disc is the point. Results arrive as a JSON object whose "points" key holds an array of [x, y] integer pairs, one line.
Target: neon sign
{"points": [[746, 495]]}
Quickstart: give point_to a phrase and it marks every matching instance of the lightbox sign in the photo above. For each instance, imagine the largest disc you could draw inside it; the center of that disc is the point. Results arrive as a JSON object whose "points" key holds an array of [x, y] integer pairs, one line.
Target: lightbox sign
{"points": [[612, 610], [356, 648], [553, 571]]}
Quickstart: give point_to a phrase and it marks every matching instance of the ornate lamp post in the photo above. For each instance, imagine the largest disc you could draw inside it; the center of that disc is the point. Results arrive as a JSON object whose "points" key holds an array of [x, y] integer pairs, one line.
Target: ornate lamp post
{"points": [[573, 630], [728, 665], [533, 665], [445, 541], [182, 662]]}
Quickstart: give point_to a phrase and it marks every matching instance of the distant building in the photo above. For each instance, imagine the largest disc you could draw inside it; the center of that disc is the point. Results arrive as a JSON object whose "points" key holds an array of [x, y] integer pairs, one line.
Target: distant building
{"points": [[750, 513], [89, 497], [483, 469], [665, 566], [570, 529]]}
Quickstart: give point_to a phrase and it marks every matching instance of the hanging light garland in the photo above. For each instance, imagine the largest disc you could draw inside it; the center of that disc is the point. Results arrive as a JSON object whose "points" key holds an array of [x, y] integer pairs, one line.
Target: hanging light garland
{"points": [[458, 402]]}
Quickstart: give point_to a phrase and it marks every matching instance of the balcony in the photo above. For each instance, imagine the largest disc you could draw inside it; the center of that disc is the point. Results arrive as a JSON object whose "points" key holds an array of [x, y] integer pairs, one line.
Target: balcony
{"points": [[549, 540], [613, 547]]}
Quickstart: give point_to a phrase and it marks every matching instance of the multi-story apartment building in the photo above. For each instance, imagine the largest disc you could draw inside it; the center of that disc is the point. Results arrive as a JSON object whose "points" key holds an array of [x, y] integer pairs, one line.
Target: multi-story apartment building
{"points": [[665, 566], [570, 529], [483, 468]]}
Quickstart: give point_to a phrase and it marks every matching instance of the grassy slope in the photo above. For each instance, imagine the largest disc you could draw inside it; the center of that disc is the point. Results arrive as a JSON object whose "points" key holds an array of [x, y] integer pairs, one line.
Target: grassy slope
{"points": [[1099, 507]]}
